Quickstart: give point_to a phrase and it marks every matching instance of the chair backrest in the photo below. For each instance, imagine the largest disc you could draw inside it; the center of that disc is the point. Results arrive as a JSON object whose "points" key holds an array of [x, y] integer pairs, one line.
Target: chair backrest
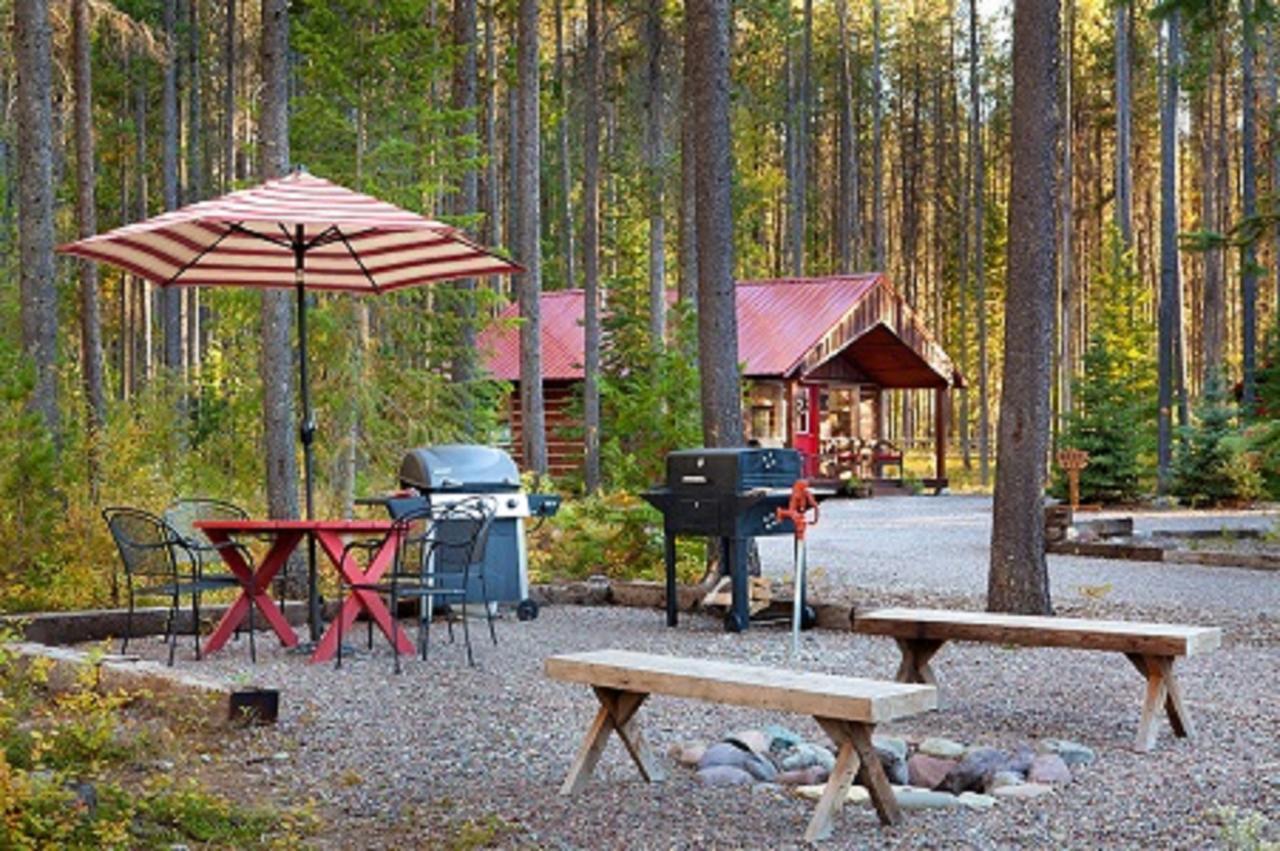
{"points": [[146, 543], [182, 515]]}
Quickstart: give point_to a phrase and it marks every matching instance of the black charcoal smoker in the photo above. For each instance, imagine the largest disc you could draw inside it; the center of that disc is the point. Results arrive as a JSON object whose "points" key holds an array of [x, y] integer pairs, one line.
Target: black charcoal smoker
{"points": [[450, 473], [733, 495]]}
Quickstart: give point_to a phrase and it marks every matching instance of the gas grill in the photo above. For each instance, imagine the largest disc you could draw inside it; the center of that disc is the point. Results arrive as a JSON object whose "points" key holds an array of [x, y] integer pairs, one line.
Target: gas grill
{"points": [[450, 473], [729, 494]]}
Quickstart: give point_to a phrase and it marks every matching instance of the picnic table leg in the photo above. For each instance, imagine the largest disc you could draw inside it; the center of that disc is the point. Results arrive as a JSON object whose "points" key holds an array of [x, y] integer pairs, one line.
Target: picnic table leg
{"points": [[1163, 692], [616, 714], [856, 757], [916, 653]]}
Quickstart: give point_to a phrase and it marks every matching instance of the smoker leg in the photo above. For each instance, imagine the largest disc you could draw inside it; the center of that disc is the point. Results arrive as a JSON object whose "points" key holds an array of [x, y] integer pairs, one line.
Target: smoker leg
{"points": [[733, 552], [670, 554]]}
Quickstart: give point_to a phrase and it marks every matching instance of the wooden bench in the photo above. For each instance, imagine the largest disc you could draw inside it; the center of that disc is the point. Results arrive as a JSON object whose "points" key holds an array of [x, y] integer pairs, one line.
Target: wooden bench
{"points": [[1151, 647], [845, 707]]}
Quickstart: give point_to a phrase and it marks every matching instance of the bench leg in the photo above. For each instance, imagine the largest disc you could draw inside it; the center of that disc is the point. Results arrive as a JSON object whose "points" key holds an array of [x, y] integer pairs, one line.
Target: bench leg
{"points": [[616, 714], [916, 653], [1163, 692], [856, 757]]}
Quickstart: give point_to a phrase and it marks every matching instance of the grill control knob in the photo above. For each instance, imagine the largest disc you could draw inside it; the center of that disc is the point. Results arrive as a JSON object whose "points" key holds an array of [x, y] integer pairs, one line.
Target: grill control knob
{"points": [[511, 503]]}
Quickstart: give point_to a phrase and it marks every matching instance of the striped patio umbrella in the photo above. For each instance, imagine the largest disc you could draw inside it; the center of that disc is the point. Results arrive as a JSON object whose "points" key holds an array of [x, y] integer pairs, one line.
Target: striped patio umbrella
{"points": [[299, 232]]}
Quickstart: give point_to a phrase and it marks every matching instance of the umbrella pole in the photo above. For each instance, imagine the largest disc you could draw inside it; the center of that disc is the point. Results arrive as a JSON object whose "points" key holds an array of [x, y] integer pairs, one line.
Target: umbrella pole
{"points": [[307, 432]]}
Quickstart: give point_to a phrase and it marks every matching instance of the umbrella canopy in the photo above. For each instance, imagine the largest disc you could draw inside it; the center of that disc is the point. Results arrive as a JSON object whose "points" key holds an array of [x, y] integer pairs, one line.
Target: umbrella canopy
{"points": [[300, 232], [351, 242]]}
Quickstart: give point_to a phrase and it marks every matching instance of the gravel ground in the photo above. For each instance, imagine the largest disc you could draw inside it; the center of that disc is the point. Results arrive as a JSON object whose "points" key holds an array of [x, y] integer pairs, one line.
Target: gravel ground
{"points": [[443, 755], [940, 546]]}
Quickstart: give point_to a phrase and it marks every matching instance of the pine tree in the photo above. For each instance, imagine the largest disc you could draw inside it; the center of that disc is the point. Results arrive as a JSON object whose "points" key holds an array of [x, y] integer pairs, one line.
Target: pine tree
{"points": [[1210, 465], [1114, 419], [1264, 433]]}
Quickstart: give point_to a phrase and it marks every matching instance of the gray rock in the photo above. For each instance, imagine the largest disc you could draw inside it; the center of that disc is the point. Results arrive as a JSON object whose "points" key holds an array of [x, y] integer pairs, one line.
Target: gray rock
{"points": [[927, 771], [911, 798], [725, 775], [810, 776], [894, 764], [970, 774], [891, 743], [976, 801], [86, 796], [755, 741], [1022, 791], [687, 753], [1072, 753], [1021, 761], [761, 769], [781, 738], [729, 755], [941, 748], [1001, 779], [1049, 768], [806, 754]]}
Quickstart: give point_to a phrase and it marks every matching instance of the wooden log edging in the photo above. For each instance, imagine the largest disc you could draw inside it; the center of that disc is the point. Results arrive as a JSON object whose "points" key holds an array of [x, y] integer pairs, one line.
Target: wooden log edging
{"points": [[66, 664], [78, 627]]}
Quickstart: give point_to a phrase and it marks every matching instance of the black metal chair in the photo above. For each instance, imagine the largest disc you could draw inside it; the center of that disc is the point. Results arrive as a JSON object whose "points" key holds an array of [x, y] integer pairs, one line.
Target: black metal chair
{"points": [[440, 549], [151, 552], [182, 515]]}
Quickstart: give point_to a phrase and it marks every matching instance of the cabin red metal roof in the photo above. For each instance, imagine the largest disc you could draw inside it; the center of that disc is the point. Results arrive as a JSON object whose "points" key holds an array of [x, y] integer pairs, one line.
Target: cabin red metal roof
{"points": [[784, 325]]}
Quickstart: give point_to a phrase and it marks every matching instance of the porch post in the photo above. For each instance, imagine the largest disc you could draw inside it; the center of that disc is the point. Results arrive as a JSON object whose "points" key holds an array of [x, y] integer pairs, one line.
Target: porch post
{"points": [[790, 413], [940, 416]]}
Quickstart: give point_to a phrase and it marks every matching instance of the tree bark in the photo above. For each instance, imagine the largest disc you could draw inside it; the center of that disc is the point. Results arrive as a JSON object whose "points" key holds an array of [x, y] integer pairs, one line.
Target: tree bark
{"points": [[1019, 578], [567, 246], [276, 364], [655, 173], [196, 183], [87, 216], [171, 297], [32, 53], [591, 251], [144, 358], [229, 98], [1066, 225], [491, 230], [1124, 127], [1213, 288], [1249, 203], [528, 235], [1170, 285], [847, 168], [977, 156], [708, 47], [877, 142], [688, 283], [466, 199]]}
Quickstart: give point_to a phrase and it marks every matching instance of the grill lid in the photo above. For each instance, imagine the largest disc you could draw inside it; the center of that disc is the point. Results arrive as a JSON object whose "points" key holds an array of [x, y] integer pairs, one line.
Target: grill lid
{"points": [[458, 467], [731, 470]]}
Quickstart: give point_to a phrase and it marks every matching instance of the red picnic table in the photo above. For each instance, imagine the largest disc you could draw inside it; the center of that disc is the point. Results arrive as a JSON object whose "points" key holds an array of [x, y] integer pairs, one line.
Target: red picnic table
{"points": [[285, 536]]}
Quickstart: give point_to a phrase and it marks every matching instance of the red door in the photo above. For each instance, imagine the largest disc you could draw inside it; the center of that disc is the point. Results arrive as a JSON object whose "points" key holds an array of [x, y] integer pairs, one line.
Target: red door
{"points": [[805, 424]]}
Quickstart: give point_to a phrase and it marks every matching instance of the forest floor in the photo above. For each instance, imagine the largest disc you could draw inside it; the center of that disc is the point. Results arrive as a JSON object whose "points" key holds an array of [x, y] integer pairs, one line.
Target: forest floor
{"points": [[445, 756]]}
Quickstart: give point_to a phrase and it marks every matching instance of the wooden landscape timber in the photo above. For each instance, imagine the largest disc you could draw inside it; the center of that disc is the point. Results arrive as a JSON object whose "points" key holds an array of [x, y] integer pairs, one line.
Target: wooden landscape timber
{"points": [[1151, 647], [847, 708]]}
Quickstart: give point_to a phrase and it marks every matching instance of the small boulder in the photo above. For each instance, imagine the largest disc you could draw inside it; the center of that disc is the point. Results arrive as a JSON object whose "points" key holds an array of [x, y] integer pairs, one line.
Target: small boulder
{"points": [[857, 794], [724, 753], [725, 775], [894, 764], [1049, 768], [927, 771], [941, 748], [1072, 753], [806, 754], [755, 741], [688, 754], [912, 798], [1022, 791], [970, 774], [761, 769], [891, 743], [1000, 779], [976, 801], [781, 738], [810, 776]]}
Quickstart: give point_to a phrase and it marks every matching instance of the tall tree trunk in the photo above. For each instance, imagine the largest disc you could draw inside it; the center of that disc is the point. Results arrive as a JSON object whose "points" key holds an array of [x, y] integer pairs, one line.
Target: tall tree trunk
{"points": [[1170, 285], [1124, 127], [32, 54], [1249, 203], [529, 232], [195, 172], [655, 173], [491, 232], [708, 21], [591, 250], [144, 358], [1019, 578], [1213, 286], [562, 137], [87, 217], [276, 364], [977, 156], [465, 201], [171, 297], [688, 283], [877, 143], [229, 98], [847, 168], [1066, 224]]}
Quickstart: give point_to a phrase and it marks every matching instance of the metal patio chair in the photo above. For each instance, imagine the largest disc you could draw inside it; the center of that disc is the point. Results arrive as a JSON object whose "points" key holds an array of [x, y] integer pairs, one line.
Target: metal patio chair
{"points": [[158, 563]]}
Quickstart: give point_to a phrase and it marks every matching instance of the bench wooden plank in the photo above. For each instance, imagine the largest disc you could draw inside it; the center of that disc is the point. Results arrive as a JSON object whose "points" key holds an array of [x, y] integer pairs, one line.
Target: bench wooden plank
{"points": [[1120, 636], [803, 692]]}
